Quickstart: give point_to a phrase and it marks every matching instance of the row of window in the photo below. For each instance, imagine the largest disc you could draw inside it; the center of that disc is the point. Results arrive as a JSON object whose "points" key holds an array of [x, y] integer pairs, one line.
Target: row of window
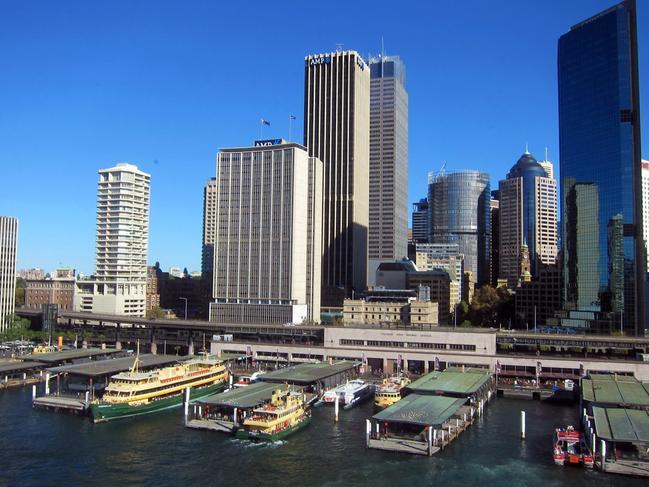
{"points": [[421, 345]]}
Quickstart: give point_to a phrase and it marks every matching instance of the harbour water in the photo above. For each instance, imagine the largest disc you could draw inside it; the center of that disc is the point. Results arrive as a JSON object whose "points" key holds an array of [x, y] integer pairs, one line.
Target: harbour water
{"points": [[46, 448]]}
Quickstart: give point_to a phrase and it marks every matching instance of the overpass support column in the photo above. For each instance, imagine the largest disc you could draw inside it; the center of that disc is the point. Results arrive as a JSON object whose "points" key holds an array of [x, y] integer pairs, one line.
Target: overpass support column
{"points": [[154, 347], [426, 367], [118, 344], [190, 349]]}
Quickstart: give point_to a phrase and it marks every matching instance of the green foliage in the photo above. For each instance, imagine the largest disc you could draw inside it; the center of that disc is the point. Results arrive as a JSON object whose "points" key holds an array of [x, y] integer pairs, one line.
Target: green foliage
{"points": [[466, 324], [18, 328], [156, 312], [490, 307]]}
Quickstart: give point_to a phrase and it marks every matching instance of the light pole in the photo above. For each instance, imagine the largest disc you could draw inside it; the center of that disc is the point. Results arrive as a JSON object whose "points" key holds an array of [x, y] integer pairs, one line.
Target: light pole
{"points": [[185, 299]]}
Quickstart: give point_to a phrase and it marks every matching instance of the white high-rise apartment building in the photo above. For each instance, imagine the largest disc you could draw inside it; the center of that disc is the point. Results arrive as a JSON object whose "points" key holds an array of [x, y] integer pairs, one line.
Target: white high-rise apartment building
{"points": [[209, 228], [337, 131], [388, 194], [268, 242], [119, 283], [645, 204], [8, 250]]}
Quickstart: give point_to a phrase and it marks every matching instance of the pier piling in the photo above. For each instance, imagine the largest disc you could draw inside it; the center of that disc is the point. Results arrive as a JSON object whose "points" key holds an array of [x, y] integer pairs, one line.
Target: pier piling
{"points": [[522, 425], [47, 383], [603, 456], [186, 405], [368, 432], [33, 392]]}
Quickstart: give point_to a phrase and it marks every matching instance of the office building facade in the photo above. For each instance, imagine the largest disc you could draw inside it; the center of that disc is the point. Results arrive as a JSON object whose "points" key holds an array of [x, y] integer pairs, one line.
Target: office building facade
{"points": [[8, 252], [527, 216], [268, 235], [458, 205], [336, 131], [420, 231], [599, 127], [119, 283], [388, 190]]}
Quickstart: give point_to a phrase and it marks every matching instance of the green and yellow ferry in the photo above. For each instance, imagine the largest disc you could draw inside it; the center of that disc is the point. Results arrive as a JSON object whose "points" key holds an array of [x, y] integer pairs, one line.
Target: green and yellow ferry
{"points": [[283, 415], [389, 392], [134, 393]]}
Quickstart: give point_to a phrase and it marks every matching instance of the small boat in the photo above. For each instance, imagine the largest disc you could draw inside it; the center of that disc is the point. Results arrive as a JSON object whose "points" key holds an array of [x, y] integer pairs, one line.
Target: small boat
{"points": [[246, 380], [570, 448], [285, 414], [134, 393], [389, 392], [349, 394]]}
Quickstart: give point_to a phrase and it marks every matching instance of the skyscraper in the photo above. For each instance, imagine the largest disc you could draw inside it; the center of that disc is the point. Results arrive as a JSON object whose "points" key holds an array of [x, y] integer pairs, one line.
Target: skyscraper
{"points": [[420, 232], [388, 194], [8, 250], [599, 128], [119, 283], [268, 235], [336, 131], [209, 233], [645, 203], [528, 216], [459, 213]]}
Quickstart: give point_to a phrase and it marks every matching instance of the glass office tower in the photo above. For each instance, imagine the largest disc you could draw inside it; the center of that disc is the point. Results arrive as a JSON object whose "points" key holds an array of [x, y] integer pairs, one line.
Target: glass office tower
{"points": [[459, 209], [599, 125]]}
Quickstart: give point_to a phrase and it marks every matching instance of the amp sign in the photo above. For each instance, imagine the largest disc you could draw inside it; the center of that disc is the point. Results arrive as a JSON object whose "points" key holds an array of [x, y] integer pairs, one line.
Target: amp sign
{"points": [[267, 142], [319, 60]]}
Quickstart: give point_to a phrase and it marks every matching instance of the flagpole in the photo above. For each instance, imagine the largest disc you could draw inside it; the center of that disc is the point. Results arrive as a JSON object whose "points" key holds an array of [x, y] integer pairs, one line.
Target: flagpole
{"points": [[261, 129]]}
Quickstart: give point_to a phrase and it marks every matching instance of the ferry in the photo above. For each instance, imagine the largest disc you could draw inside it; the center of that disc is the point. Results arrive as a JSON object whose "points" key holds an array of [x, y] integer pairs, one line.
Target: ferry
{"points": [[350, 393], [571, 449], [134, 393], [389, 392], [283, 415]]}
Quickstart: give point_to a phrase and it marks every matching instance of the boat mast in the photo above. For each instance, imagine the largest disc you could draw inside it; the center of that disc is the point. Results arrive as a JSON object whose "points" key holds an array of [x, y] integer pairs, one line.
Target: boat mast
{"points": [[137, 359]]}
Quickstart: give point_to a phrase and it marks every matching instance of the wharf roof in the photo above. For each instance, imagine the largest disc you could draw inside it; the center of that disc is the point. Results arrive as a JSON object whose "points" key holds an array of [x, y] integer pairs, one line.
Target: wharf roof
{"points": [[8, 367], [246, 397], [75, 353], [421, 410], [617, 390], [309, 372], [621, 424], [451, 381], [100, 368]]}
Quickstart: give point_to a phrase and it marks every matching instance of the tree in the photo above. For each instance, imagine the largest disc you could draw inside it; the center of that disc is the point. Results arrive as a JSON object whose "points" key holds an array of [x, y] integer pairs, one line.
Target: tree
{"points": [[20, 291], [156, 312], [18, 328]]}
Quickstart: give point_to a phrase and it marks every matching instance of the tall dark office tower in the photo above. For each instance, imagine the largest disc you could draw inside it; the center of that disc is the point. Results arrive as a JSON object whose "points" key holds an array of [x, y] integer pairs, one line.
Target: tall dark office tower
{"points": [[336, 131], [599, 128], [459, 209], [388, 210], [420, 232]]}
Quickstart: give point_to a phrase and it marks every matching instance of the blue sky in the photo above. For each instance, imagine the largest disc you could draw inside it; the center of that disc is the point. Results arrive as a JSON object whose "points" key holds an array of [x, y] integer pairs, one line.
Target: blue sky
{"points": [[164, 84]]}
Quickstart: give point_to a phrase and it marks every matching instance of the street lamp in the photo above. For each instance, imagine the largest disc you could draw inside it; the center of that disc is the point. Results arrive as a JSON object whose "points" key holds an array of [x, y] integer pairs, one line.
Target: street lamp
{"points": [[185, 299]]}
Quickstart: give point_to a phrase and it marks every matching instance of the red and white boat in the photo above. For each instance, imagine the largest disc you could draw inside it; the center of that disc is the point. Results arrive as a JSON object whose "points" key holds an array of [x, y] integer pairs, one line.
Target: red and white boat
{"points": [[570, 448]]}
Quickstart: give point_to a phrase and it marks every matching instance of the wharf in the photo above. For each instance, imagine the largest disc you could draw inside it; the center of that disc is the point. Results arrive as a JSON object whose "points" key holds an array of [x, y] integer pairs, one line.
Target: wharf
{"points": [[224, 411], [70, 356], [615, 418], [438, 407], [17, 373], [61, 402], [421, 425], [320, 375], [96, 374]]}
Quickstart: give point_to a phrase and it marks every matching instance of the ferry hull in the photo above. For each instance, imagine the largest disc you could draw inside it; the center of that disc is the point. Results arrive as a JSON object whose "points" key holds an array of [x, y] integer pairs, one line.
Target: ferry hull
{"points": [[109, 412], [244, 434]]}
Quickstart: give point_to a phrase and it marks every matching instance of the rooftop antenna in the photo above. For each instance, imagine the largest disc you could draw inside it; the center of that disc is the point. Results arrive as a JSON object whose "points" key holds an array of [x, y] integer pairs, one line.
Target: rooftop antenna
{"points": [[382, 48], [526, 149], [339, 46], [546, 153]]}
